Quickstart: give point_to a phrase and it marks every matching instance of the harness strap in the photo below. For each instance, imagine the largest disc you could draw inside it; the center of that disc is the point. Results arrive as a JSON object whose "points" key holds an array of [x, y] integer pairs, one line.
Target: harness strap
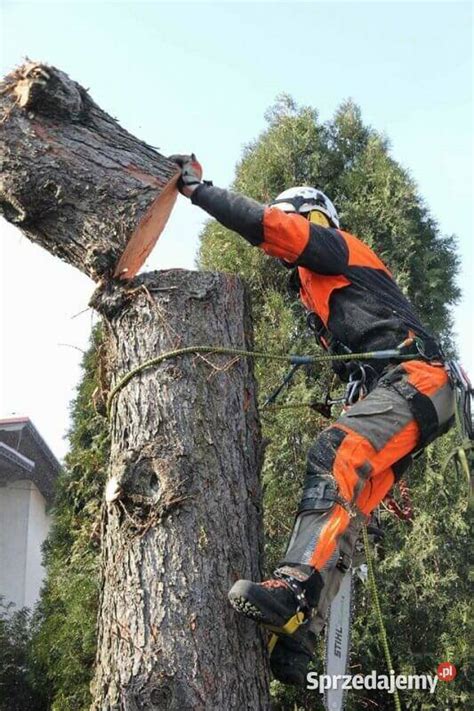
{"points": [[291, 626]]}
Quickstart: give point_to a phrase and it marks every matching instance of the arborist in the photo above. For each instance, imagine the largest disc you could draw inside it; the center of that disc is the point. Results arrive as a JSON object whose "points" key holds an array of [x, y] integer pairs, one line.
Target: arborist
{"points": [[396, 407]]}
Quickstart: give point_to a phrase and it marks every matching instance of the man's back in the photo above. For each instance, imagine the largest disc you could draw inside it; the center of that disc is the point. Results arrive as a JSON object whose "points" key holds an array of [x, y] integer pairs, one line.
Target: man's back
{"points": [[361, 305]]}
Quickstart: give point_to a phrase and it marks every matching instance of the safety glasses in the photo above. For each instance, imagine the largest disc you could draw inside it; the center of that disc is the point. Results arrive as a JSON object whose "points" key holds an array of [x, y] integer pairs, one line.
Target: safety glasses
{"points": [[317, 218]]}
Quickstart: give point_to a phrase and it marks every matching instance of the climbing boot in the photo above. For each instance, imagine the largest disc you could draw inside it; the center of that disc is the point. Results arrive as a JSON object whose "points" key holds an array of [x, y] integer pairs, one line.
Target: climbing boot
{"points": [[290, 655], [281, 603]]}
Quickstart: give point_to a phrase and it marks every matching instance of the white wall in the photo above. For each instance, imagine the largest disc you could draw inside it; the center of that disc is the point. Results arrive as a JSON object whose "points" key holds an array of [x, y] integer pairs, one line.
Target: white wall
{"points": [[38, 526], [23, 527]]}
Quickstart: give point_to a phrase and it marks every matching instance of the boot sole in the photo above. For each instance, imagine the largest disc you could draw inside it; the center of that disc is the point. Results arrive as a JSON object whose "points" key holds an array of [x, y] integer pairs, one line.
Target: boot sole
{"points": [[245, 607], [248, 600]]}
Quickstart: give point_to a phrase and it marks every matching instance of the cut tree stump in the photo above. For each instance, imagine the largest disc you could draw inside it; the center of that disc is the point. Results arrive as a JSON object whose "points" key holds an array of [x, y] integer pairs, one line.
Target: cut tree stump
{"points": [[185, 458], [183, 516]]}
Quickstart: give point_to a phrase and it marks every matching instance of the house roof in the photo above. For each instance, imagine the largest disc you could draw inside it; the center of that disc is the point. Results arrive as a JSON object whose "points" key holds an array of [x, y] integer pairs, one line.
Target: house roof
{"points": [[25, 455]]}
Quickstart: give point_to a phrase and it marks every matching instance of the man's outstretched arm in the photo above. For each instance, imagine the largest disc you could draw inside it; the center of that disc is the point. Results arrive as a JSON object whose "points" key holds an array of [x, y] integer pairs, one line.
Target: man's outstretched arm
{"points": [[237, 212], [289, 237]]}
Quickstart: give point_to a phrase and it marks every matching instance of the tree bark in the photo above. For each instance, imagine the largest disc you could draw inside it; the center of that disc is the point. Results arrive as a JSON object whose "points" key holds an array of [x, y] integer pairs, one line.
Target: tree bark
{"points": [[182, 519], [73, 180]]}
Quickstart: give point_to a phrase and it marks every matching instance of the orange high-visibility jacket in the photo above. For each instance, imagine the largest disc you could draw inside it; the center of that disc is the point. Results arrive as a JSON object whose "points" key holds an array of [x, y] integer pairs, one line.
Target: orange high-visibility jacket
{"points": [[341, 279]]}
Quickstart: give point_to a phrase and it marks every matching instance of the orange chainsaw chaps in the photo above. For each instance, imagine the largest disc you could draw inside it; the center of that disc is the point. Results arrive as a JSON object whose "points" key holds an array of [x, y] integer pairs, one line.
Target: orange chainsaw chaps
{"points": [[352, 453]]}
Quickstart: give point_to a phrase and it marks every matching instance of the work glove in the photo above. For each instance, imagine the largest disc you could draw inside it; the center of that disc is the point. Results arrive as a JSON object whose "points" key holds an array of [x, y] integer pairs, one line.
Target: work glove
{"points": [[191, 173]]}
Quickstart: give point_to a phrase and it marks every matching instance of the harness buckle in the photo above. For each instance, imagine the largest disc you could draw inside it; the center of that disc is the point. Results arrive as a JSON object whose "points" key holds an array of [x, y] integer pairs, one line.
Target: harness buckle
{"points": [[356, 388]]}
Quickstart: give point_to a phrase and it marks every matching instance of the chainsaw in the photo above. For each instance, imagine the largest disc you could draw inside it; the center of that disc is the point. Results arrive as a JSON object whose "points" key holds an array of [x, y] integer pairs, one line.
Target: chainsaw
{"points": [[339, 623]]}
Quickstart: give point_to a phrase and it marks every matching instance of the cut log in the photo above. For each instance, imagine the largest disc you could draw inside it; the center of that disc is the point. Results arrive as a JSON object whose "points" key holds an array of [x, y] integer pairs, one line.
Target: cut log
{"points": [[74, 180]]}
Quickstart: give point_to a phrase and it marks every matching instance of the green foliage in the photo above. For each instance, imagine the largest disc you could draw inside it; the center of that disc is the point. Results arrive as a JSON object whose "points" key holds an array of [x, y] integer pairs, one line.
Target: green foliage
{"points": [[18, 673], [64, 640], [422, 567]]}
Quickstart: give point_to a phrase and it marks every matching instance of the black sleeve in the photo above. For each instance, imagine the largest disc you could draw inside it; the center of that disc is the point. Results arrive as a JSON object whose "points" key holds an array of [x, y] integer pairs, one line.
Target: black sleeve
{"points": [[326, 251], [238, 213]]}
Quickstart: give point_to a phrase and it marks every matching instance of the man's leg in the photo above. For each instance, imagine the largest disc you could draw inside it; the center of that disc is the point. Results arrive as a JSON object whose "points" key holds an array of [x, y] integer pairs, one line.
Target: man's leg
{"points": [[339, 465], [353, 464], [348, 474], [291, 655]]}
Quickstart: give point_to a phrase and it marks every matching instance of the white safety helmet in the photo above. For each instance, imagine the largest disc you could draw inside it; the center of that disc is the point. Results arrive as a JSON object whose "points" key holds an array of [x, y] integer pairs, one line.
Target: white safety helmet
{"points": [[304, 199]]}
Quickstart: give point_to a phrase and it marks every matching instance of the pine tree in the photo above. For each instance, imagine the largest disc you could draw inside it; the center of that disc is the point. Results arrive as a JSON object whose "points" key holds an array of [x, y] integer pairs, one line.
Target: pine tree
{"points": [[422, 578]]}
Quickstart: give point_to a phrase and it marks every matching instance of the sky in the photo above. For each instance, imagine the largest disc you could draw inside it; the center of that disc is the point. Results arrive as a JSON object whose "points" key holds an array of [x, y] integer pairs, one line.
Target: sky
{"points": [[199, 77]]}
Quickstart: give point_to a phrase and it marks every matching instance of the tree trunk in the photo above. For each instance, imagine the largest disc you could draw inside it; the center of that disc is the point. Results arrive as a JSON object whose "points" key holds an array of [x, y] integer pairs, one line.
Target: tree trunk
{"points": [[182, 520], [184, 464]]}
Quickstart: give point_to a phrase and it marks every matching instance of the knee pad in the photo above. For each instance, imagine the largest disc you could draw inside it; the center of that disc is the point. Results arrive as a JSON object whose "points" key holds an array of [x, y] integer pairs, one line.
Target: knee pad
{"points": [[319, 494], [320, 489]]}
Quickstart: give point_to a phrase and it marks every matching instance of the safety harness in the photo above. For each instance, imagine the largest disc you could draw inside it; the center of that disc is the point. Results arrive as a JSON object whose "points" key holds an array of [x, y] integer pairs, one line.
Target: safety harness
{"points": [[360, 377]]}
